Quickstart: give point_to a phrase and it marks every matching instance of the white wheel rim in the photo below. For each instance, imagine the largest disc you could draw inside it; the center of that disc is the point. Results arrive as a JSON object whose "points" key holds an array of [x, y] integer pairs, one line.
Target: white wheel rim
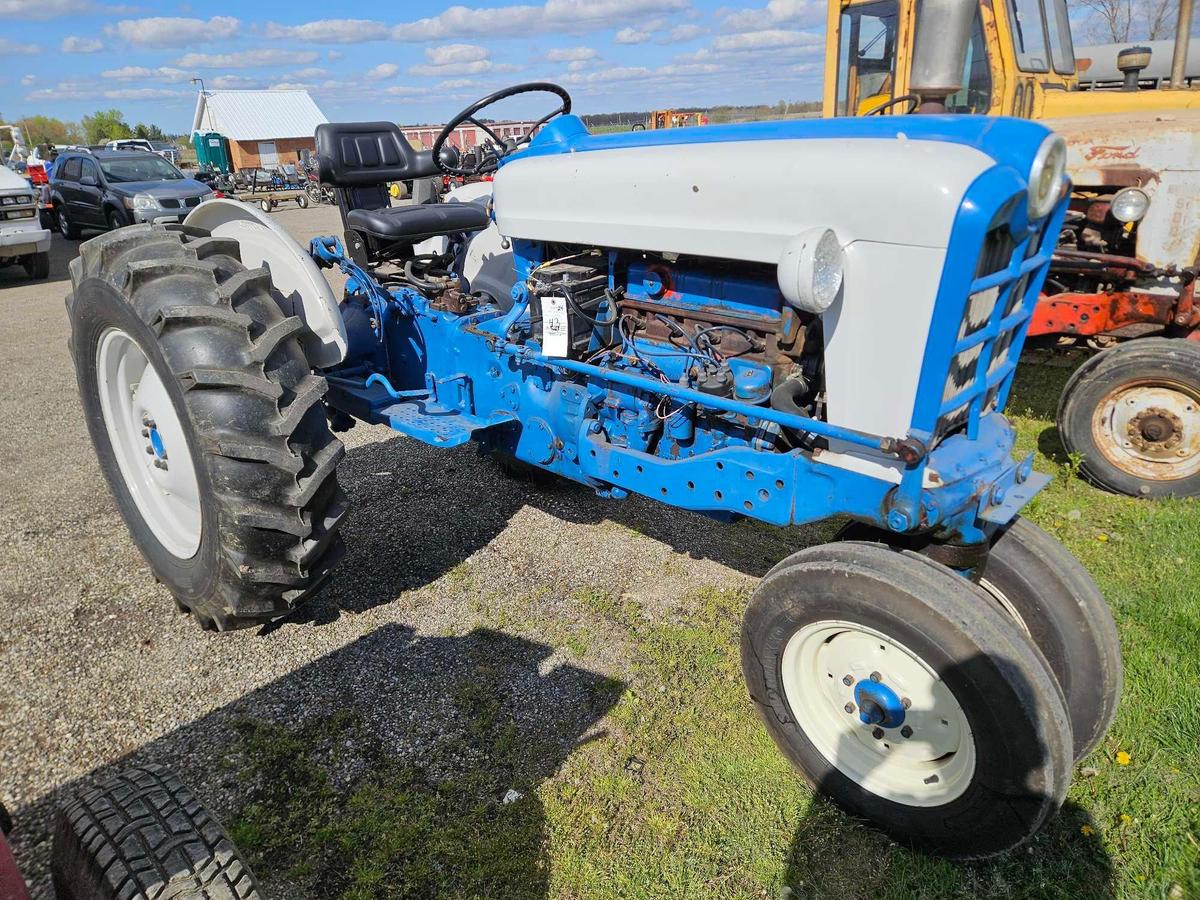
{"points": [[931, 766], [1150, 430], [149, 443]]}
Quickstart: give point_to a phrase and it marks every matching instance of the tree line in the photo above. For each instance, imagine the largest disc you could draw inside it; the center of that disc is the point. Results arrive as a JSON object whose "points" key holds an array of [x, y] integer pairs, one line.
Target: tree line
{"points": [[101, 126]]}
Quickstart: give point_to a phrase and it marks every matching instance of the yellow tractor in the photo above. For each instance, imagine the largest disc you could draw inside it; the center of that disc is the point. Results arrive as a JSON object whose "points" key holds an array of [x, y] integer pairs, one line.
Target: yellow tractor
{"points": [[1128, 256], [669, 118]]}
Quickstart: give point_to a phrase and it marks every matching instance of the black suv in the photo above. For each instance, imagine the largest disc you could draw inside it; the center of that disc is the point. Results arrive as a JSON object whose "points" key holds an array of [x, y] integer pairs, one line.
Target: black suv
{"points": [[106, 189]]}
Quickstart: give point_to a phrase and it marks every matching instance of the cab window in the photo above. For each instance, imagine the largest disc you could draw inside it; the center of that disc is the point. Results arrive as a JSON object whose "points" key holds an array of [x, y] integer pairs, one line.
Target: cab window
{"points": [[866, 57], [89, 169], [976, 93], [1029, 35], [1062, 51]]}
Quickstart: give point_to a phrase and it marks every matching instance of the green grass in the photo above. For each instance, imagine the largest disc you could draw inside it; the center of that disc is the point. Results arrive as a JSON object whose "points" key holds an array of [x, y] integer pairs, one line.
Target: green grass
{"points": [[684, 795]]}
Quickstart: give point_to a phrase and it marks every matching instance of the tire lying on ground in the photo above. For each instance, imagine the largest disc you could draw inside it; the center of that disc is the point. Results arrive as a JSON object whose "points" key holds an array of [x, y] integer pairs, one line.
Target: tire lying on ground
{"points": [[143, 834], [207, 421]]}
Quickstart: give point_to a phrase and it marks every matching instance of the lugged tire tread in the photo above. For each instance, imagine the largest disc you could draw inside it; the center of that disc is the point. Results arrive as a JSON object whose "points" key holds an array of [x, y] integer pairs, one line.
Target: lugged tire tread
{"points": [[273, 464], [142, 834]]}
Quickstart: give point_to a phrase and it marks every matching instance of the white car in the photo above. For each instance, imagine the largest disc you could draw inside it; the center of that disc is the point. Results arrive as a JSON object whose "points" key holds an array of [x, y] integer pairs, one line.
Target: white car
{"points": [[166, 150], [23, 240]]}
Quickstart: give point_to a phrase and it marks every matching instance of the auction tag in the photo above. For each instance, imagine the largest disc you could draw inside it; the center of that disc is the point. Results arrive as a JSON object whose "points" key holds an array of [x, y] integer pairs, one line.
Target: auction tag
{"points": [[555, 333]]}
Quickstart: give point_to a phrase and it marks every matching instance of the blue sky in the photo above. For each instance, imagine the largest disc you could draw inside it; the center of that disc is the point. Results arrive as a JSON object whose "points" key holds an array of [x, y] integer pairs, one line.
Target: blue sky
{"points": [[410, 62]]}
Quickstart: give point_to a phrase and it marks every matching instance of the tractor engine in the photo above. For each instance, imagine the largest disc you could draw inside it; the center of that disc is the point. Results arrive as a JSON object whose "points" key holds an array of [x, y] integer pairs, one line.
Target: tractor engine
{"points": [[708, 325]]}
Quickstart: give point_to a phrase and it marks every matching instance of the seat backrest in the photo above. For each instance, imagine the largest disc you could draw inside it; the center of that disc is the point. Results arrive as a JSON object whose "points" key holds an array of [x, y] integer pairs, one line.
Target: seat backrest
{"points": [[360, 154], [360, 159]]}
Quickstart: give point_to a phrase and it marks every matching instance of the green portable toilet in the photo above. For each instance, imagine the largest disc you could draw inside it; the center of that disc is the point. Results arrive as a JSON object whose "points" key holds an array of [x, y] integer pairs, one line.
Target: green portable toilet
{"points": [[212, 149]]}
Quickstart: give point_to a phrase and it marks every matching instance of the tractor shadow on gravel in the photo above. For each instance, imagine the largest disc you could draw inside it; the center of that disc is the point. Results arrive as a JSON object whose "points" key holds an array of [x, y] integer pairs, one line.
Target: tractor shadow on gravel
{"points": [[411, 772], [417, 512]]}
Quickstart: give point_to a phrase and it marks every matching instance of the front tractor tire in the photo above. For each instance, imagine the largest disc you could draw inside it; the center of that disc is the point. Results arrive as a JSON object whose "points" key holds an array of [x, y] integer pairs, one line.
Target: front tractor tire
{"points": [[900, 691], [207, 422], [1132, 416]]}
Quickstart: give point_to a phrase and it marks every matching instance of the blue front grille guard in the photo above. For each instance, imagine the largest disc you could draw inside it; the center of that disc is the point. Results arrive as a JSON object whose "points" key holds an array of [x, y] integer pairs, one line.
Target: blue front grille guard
{"points": [[998, 189]]}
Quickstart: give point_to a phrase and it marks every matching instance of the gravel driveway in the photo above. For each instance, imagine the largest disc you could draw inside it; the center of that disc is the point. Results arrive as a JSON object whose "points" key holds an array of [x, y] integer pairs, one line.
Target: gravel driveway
{"points": [[446, 556]]}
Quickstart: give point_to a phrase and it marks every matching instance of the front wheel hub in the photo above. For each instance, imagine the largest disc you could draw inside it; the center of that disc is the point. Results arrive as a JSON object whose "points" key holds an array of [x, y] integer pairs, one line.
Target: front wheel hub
{"points": [[878, 704]]}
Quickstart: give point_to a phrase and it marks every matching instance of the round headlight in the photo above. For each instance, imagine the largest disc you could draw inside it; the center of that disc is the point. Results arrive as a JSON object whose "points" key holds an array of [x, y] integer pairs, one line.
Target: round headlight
{"points": [[810, 269], [1130, 205], [1046, 176]]}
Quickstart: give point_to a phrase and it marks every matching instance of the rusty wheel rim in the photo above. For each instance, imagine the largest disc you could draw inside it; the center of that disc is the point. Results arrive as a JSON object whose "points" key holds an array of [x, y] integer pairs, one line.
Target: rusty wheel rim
{"points": [[1150, 429]]}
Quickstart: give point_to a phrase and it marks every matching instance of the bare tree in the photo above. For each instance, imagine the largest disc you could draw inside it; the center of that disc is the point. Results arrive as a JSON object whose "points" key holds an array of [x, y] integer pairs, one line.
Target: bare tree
{"points": [[1122, 21]]}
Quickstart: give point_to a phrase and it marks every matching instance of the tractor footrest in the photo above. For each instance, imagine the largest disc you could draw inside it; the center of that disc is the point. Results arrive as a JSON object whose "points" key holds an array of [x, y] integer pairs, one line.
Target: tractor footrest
{"points": [[435, 424]]}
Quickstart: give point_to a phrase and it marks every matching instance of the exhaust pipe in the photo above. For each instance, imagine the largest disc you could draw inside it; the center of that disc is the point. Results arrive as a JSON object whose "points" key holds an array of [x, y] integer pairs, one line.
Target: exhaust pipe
{"points": [[940, 53], [1183, 32]]}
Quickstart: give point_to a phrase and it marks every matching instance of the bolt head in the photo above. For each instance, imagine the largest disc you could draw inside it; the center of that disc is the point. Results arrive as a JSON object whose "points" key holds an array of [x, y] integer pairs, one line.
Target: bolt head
{"points": [[897, 520], [906, 732], [877, 734], [875, 676], [847, 681], [905, 702], [849, 707]]}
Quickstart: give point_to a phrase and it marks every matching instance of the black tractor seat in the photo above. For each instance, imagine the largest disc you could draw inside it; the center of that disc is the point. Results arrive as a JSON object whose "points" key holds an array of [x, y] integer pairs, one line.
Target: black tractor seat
{"points": [[360, 160], [411, 224]]}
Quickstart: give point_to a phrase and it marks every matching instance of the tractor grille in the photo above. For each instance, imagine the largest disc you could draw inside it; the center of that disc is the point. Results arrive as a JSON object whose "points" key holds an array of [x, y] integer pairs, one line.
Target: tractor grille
{"points": [[1000, 300]]}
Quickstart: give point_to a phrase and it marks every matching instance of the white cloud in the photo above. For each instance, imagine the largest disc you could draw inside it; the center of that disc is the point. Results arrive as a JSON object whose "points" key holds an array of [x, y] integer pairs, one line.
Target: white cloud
{"points": [[403, 91], [80, 90], [477, 67], [641, 73], [173, 31], [41, 9], [142, 73], [573, 16], [774, 14], [293, 86], [382, 72], [331, 31], [72, 44], [761, 40], [633, 36], [578, 65], [334, 55], [453, 54], [141, 94], [235, 82], [571, 54], [312, 72], [27, 80], [247, 59], [685, 33], [17, 48], [456, 84], [458, 59]]}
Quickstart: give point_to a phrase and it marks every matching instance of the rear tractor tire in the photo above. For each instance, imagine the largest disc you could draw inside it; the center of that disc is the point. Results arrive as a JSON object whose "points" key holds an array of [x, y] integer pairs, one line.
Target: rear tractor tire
{"points": [[207, 421], [1132, 414], [900, 691], [143, 834]]}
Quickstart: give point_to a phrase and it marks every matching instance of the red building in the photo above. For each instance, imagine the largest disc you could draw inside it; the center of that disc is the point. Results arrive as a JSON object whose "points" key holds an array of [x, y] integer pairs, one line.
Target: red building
{"points": [[465, 136]]}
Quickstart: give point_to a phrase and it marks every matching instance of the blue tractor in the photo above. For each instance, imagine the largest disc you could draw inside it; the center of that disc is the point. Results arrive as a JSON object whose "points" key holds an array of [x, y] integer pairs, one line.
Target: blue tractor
{"points": [[634, 313]]}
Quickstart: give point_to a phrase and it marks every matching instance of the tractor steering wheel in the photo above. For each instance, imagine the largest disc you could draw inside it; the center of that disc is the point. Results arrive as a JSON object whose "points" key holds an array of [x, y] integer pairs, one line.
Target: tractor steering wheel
{"points": [[487, 159], [913, 101]]}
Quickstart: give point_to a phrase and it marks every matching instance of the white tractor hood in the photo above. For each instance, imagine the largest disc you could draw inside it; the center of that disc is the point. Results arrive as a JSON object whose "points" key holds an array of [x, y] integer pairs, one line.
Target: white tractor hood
{"points": [[739, 200]]}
